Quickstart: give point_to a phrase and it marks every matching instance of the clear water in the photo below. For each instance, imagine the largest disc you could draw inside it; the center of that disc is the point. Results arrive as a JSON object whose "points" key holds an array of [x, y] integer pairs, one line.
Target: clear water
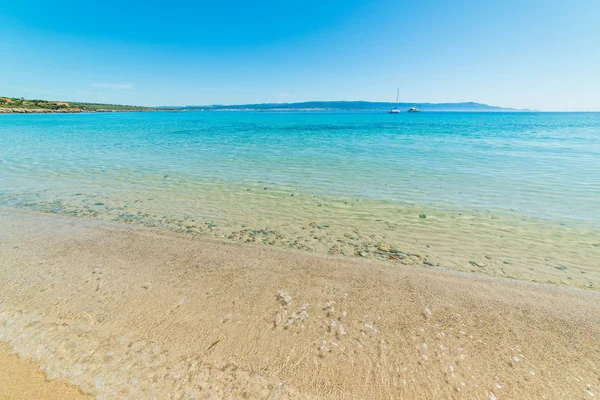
{"points": [[540, 165], [506, 194]]}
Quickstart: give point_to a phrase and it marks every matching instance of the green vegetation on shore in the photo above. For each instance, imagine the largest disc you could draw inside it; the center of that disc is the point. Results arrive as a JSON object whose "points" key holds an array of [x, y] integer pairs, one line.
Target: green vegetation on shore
{"points": [[21, 105]]}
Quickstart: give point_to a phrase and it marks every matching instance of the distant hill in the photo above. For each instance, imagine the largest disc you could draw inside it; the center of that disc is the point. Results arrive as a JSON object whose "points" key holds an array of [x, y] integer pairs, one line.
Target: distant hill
{"points": [[21, 105], [349, 106], [25, 106]]}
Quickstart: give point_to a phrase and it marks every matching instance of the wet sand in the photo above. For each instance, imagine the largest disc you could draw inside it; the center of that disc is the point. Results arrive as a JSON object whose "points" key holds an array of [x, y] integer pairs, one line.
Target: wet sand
{"points": [[23, 380], [124, 311]]}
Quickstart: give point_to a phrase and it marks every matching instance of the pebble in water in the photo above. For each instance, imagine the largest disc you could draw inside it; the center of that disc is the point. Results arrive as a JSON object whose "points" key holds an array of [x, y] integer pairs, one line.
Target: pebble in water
{"points": [[284, 298]]}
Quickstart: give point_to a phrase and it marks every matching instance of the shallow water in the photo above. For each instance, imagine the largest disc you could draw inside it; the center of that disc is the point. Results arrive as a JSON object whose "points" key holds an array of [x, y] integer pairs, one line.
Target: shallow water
{"points": [[342, 183], [539, 165]]}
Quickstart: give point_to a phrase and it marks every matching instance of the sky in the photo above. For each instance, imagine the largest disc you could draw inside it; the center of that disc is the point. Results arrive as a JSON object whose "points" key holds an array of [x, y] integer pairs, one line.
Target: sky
{"points": [[535, 54]]}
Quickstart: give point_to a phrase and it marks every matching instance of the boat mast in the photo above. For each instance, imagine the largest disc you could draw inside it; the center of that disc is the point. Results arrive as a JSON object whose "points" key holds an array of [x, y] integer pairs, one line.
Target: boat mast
{"points": [[397, 94]]}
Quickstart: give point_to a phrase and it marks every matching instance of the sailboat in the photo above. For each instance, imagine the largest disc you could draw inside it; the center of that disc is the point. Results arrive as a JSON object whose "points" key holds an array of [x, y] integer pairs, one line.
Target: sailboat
{"points": [[395, 109]]}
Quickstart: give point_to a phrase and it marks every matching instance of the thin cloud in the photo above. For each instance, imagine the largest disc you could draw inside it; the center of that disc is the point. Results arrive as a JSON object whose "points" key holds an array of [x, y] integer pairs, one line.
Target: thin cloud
{"points": [[121, 86]]}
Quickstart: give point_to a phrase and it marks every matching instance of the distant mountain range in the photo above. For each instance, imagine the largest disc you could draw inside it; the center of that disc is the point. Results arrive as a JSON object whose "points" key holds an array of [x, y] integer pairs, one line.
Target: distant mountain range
{"points": [[347, 106], [21, 105]]}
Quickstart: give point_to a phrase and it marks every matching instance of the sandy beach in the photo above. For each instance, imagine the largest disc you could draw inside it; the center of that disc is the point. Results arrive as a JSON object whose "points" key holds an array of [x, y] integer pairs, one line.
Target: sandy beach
{"points": [[130, 312]]}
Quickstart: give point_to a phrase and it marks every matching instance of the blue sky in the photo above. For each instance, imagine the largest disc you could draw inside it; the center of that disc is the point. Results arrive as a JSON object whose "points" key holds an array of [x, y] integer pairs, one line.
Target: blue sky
{"points": [[527, 54]]}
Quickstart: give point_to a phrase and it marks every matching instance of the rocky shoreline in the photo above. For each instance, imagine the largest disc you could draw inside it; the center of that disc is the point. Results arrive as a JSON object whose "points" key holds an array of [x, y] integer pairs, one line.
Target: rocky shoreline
{"points": [[59, 111], [40, 111]]}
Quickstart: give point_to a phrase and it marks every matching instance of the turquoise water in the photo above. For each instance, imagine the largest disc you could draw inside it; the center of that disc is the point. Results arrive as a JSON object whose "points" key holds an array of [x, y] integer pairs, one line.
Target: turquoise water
{"points": [[506, 194], [542, 165]]}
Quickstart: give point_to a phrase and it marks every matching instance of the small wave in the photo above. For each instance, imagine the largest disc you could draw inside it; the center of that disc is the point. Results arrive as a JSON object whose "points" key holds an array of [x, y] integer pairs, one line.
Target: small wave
{"points": [[113, 366]]}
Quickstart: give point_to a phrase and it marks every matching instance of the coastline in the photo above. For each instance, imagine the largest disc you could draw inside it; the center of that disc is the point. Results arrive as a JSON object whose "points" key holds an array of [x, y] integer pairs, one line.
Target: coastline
{"points": [[61, 111], [111, 307], [23, 380]]}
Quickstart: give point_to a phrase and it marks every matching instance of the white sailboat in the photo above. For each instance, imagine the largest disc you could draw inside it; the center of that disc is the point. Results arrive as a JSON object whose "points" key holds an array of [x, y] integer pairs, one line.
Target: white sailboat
{"points": [[395, 109]]}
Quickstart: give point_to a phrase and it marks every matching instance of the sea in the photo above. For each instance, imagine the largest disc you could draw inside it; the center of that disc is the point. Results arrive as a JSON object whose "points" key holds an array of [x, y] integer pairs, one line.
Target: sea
{"points": [[342, 183]]}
